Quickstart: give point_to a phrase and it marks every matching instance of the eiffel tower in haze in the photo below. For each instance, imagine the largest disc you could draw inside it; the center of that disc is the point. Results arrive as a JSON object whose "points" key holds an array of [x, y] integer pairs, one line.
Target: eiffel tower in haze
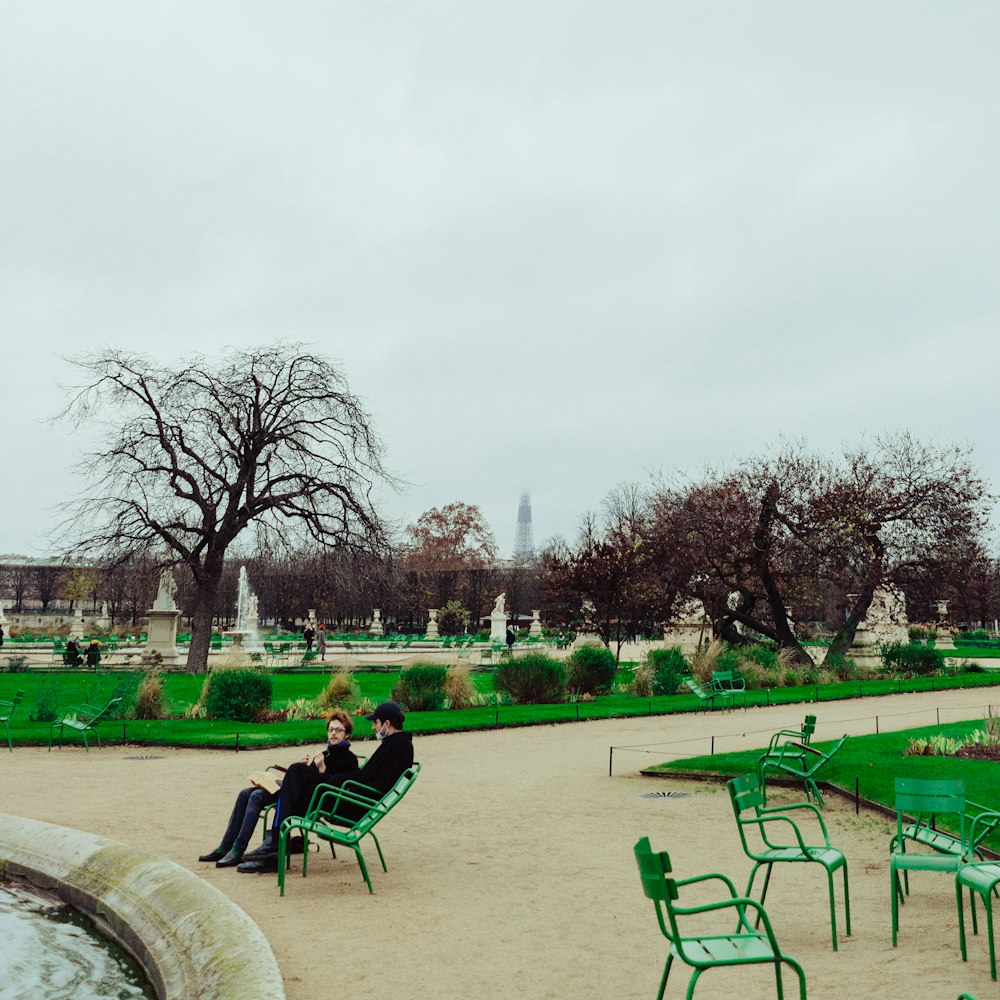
{"points": [[524, 541]]}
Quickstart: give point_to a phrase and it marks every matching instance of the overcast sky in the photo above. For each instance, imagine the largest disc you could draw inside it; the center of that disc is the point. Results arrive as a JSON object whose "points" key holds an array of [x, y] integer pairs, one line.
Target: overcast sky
{"points": [[555, 246]]}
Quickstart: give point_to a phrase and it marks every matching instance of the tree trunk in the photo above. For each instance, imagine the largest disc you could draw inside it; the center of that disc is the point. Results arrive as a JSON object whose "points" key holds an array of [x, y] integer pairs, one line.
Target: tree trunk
{"points": [[207, 581], [845, 634]]}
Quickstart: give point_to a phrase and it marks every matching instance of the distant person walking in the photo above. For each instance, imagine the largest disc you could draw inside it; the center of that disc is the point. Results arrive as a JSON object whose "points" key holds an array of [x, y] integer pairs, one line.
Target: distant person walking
{"points": [[309, 634], [321, 641], [510, 639]]}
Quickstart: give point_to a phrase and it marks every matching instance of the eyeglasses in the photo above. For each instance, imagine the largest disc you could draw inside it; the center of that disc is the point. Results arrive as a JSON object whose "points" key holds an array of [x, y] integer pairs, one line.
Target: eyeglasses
{"points": [[336, 729]]}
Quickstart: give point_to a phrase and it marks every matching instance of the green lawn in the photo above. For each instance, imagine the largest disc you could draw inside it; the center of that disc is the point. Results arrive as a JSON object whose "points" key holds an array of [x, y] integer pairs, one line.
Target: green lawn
{"points": [[64, 689], [873, 762]]}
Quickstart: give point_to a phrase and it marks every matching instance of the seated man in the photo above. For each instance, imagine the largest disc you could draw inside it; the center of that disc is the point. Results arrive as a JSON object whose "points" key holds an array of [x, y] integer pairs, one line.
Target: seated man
{"points": [[384, 768], [296, 789]]}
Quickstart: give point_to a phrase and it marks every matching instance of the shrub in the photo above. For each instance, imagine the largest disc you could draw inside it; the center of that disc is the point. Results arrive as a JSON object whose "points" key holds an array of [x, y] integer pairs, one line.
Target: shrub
{"points": [[974, 635], [421, 688], [46, 702], [125, 689], [458, 689], [534, 679], [905, 660], [341, 689], [149, 702], [591, 670], [668, 666], [238, 694], [844, 667], [16, 664], [453, 619]]}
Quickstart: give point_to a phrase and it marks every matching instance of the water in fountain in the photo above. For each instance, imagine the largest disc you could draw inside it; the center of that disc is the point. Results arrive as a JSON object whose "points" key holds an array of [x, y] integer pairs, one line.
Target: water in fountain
{"points": [[246, 615]]}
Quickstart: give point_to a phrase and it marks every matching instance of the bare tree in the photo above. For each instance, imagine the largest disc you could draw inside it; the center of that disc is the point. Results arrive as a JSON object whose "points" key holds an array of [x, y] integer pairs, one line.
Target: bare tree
{"points": [[197, 453]]}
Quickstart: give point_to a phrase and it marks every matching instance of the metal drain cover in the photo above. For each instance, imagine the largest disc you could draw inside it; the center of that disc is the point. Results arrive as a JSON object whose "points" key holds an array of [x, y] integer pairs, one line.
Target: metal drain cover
{"points": [[664, 795], [146, 756]]}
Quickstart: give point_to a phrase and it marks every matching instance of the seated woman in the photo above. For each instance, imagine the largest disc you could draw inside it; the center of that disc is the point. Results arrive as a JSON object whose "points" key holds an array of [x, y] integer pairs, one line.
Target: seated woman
{"points": [[301, 778]]}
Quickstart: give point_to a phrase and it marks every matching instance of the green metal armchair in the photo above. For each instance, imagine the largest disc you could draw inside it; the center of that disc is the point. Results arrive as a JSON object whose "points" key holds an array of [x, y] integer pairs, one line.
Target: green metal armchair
{"points": [[746, 946], [765, 849], [980, 878], [925, 800], [799, 760], [7, 708]]}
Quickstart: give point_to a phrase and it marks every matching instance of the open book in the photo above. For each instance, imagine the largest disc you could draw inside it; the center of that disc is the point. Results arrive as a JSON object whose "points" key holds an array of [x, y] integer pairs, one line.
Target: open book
{"points": [[270, 781]]}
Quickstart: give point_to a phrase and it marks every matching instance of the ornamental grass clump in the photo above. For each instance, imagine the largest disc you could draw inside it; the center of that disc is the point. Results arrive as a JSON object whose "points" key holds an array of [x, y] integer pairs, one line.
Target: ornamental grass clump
{"points": [[340, 690], [706, 659], [534, 679], [458, 689], [149, 699]]}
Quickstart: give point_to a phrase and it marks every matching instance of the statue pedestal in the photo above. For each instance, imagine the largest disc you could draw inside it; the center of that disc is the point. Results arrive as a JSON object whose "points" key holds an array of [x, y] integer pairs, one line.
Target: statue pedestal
{"points": [[535, 628], [498, 627], [432, 624], [76, 625], [376, 627], [161, 635]]}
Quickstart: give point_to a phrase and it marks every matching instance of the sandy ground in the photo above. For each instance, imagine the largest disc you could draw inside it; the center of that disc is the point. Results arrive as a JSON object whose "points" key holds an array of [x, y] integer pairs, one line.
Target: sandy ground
{"points": [[510, 862]]}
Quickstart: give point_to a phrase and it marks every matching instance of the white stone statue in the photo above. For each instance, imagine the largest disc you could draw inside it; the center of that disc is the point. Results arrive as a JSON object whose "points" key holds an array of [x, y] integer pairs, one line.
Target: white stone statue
{"points": [[165, 594], [500, 607]]}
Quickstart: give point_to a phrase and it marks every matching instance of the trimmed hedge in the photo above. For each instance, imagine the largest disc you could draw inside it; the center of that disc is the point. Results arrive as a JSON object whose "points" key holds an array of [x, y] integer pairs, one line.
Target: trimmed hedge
{"points": [[534, 679], [421, 688], [592, 670], [240, 695]]}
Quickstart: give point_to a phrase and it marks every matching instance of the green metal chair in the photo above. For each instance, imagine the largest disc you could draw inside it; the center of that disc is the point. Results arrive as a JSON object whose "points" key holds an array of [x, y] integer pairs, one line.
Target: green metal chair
{"points": [[747, 946], [322, 820], [802, 761], [7, 707], [980, 878], [789, 741], [83, 719], [747, 796], [925, 800], [708, 696]]}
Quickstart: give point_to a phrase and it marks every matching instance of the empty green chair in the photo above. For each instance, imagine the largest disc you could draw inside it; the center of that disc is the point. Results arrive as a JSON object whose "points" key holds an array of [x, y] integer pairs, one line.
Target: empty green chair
{"points": [[925, 800], [83, 719], [799, 760], [980, 878], [7, 708], [768, 847], [745, 946], [789, 741]]}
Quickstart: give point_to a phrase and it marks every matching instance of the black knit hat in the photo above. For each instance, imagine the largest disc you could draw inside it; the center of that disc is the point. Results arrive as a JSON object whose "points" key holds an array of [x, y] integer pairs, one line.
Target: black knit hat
{"points": [[389, 712]]}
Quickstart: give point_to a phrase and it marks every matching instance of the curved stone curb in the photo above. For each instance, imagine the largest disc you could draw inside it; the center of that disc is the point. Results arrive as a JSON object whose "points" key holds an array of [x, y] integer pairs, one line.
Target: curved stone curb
{"points": [[192, 940]]}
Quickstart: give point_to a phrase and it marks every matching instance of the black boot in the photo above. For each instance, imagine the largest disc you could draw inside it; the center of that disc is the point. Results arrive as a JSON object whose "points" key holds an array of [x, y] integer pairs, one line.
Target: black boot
{"points": [[266, 850], [219, 852]]}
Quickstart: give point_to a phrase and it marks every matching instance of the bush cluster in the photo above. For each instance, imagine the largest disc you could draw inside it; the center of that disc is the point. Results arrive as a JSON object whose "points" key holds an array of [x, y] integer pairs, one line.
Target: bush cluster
{"points": [[591, 670], [668, 667], [534, 679], [240, 695], [904, 660], [421, 688]]}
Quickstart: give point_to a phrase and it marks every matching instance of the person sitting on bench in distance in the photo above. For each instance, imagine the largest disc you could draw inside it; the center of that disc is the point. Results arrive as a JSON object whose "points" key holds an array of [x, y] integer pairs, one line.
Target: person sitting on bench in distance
{"points": [[384, 768], [298, 784]]}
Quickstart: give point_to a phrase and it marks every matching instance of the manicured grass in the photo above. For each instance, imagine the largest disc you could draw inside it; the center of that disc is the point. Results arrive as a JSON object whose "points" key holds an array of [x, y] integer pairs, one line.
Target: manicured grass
{"points": [[874, 762], [69, 688]]}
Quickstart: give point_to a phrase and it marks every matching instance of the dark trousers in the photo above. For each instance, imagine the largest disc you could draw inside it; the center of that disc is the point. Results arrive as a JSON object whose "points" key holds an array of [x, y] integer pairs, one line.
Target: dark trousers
{"points": [[250, 803]]}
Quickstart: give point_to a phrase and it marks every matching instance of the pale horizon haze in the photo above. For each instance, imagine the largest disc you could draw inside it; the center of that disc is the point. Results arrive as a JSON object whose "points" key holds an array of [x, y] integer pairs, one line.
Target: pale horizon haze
{"points": [[555, 247]]}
